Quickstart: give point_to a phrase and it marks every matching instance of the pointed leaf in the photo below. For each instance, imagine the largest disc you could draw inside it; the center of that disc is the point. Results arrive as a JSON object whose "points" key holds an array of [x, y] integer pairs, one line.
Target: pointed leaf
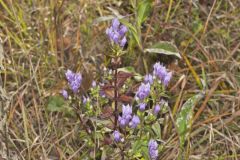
{"points": [[143, 11], [166, 48], [184, 117]]}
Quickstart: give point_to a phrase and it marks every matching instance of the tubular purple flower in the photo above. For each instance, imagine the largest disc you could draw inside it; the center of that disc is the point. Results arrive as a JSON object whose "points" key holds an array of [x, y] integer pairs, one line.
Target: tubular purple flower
{"points": [[156, 109], [122, 121], [74, 80], [153, 149], [69, 75], [64, 93], [123, 30], [84, 100], [143, 91], [115, 37], [127, 112], [115, 24], [117, 136], [159, 71], [148, 79], [134, 122], [142, 106], [123, 41], [167, 78], [94, 84]]}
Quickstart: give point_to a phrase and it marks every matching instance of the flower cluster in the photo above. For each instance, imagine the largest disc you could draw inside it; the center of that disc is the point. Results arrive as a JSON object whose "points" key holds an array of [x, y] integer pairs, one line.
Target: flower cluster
{"points": [[153, 149], [143, 91], [127, 117], [116, 33], [74, 80], [161, 72]]}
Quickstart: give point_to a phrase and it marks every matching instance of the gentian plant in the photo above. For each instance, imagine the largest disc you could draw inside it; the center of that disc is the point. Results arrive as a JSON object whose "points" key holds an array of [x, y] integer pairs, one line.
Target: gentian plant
{"points": [[107, 111]]}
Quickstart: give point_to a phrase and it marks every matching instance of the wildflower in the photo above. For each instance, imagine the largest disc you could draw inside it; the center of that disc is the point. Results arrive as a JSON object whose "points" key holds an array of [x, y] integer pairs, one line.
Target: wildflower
{"points": [[148, 79], [116, 33], [84, 100], [126, 115], [122, 121], [156, 109], [123, 30], [143, 91], [153, 149], [94, 84], [116, 136], [123, 41], [102, 94], [127, 111], [167, 79], [74, 80], [161, 72], [142, 106], [115, 24], [64, 93], [134, 122]]}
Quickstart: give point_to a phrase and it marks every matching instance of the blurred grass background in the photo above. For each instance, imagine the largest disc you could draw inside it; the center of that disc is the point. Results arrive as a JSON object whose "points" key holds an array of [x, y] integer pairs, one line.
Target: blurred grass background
{"points": [[39, 40]]}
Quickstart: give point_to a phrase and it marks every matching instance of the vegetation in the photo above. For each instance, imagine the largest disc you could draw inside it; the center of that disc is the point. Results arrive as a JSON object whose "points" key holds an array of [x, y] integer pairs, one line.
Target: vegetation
{"points": [[162, 83]]}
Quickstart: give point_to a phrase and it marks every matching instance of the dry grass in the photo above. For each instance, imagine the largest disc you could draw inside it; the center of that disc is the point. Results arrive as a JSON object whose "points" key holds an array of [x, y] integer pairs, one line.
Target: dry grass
{"points": [[41, 39]]}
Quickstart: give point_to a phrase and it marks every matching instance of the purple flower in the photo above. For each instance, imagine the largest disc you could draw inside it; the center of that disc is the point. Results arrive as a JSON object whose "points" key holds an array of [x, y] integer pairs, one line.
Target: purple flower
{"points": [[126, 115], [116, 135], [148, 79], [153, 149], [74, 80], [122, 121], [84, 100], [159, 70], [161, 73], [167, 79], [115, 24], [142, 106], [127, 110], [134, 122], [123, 30], [116, 33], [69, 75], [94, 84], [64, 93], [156, 109], [143, 91], [123, 41]]}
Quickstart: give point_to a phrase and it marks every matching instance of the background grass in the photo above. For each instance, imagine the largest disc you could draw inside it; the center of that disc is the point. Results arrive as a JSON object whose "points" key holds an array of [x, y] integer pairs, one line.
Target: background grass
{"points": [[41, 39]]}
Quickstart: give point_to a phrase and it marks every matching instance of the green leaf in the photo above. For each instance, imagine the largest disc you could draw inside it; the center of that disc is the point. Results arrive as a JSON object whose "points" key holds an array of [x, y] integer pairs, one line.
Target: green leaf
{"points": [[102, 19], [143, 10], [184, 118], [157, 130], [164, 47], [140, 148], [55, 103]]}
